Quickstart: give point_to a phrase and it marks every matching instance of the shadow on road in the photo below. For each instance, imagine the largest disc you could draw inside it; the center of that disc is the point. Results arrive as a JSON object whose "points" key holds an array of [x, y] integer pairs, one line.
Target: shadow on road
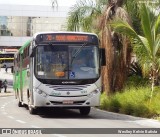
{"points": [[60, 113], [53, 113]]}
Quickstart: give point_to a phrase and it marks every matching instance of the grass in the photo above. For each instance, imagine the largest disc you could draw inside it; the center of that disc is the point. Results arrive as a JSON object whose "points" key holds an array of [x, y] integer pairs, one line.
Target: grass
{"points": [[133, 101]]}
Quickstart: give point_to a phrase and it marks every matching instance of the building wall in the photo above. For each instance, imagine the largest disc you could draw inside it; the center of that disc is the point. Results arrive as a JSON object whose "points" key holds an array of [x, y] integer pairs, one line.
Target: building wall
{"points": [[17, 26], [19, 22]]}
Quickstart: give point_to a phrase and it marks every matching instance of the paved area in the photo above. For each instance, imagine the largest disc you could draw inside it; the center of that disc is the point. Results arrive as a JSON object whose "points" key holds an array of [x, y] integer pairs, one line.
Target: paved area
{"points": [[6, 94], [9, 77]]}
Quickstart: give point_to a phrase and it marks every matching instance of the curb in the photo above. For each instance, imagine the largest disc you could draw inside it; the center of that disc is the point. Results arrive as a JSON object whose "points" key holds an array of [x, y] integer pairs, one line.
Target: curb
{"points": [[119, 116], [2, 94], [139, 120], [5, 95]]}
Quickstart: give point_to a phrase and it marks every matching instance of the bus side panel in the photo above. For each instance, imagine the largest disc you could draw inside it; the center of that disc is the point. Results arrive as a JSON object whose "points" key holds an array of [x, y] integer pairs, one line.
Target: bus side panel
{"points": [[16, 84], [25, 85]]}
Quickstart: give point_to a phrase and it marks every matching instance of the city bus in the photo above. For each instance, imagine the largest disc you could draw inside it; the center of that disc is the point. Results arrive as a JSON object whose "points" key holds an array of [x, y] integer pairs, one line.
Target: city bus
{"points": [[59, 69], [6, 60]]}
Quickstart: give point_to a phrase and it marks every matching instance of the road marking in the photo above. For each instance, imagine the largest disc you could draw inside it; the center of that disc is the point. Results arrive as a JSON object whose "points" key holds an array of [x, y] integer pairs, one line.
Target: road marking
{"points": [[2, 109], [35, 126], [11, 117], [59, 135], [20, 121], [4, 105]]}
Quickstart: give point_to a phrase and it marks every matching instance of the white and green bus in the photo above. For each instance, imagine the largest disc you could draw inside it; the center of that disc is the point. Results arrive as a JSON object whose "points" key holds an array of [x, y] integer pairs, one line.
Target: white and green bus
{"points": [[59, 69]]}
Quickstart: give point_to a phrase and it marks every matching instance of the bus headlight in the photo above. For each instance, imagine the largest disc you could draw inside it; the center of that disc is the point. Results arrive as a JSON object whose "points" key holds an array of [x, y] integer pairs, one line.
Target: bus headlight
{"points": [[42, 93], [93, 93]]}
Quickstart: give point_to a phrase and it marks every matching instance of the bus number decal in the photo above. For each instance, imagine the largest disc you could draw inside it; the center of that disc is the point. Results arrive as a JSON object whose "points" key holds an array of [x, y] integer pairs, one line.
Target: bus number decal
{"points": [[83, 91], [56, 94]]}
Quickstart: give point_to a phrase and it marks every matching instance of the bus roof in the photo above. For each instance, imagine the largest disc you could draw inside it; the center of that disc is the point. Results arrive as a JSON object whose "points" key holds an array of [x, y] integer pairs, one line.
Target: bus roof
{"points": [[26, 44], [63, 32]]}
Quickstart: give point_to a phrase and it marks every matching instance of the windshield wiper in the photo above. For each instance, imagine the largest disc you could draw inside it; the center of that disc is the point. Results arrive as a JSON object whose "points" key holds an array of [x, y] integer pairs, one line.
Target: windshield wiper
{"points": [[77, 52], [74, 56]]}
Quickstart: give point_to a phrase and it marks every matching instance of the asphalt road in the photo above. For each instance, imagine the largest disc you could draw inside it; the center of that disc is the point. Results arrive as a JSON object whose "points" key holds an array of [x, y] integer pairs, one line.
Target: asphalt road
{"points": [[13, 116]]}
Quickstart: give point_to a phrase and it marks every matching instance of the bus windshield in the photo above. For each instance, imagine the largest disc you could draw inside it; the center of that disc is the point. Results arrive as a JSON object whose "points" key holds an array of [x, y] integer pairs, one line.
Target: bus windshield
{"points": [[60, 62]]}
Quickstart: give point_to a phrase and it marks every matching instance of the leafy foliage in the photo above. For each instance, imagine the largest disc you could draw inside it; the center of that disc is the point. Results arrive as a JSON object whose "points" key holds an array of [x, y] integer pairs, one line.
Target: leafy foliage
{"points": [[133, 101], [93, 16], [132, 9], [150, 42], [84, 13], [135, 69]]}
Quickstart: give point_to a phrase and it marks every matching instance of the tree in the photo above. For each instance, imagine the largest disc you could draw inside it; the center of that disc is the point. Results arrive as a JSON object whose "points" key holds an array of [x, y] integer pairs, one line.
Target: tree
{"points": [[149, 43], [85, 14], [117, 47], [131, 7], [54, 3], [94, 17]]}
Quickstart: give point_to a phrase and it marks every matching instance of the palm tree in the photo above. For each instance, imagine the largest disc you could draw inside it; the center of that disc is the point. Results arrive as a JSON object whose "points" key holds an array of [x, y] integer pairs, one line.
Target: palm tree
{"points": [[84, 15], [93, 17], [117, 47], [131, 7], [149, 43], [54, 3]]}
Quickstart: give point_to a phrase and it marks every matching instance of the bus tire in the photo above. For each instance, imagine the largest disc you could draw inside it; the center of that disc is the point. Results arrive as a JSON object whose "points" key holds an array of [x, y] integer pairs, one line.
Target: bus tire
{"points": [[32, 110], [20, 104], [85, 110]]}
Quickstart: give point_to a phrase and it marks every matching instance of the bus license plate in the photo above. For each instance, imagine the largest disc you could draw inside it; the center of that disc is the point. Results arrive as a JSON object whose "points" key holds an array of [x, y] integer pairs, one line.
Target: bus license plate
{"points": [[67, 101]]}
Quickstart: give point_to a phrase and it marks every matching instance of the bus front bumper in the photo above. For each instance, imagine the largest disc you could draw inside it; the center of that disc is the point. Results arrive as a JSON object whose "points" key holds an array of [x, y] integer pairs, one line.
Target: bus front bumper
{"points": [[42, 100]]}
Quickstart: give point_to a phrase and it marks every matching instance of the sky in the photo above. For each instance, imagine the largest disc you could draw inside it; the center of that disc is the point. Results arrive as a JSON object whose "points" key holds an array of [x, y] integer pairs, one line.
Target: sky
{"points": [[38, 2]]}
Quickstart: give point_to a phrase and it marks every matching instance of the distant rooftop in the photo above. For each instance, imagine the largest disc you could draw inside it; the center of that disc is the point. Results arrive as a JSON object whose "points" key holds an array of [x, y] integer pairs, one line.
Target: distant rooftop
{"points": [[33, 10]]}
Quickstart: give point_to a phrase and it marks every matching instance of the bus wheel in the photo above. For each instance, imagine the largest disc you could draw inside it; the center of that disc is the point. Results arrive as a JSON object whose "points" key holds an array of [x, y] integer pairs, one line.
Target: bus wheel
{"points": [[20, 104], [85, 110], [32, 110]]}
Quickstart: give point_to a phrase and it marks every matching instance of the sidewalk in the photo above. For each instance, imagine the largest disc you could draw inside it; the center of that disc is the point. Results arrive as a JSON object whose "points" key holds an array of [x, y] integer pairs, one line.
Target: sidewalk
{"points": [[6, 94], [9, 92], [9, 77]]}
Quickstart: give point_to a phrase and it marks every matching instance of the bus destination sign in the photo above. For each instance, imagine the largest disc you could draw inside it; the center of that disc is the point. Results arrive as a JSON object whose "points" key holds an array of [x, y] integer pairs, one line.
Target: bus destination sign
{"points": [[64, 38]]}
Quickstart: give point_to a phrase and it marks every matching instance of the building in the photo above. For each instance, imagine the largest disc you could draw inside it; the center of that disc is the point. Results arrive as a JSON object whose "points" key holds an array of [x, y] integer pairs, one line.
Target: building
{"points": [[19, 22]]}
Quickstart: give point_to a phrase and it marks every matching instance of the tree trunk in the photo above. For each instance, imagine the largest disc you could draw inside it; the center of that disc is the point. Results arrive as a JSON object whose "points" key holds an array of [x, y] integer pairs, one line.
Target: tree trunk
{"points": [[117, 53], [154, 79]]}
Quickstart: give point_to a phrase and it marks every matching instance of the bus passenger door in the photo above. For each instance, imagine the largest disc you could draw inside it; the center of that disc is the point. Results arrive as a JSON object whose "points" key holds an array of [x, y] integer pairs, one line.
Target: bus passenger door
{"points": [[30, 71]]}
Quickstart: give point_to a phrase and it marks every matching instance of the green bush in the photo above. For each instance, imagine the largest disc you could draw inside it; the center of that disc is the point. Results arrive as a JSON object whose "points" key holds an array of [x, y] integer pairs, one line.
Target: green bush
{"points": [[115, 105], [104, 102], [136, 81], [133, 101]]}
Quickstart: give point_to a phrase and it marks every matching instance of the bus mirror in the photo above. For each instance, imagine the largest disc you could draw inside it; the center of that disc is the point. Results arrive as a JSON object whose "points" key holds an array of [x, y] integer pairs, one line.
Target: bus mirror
{"points": [[33, 52], [102, 56]]}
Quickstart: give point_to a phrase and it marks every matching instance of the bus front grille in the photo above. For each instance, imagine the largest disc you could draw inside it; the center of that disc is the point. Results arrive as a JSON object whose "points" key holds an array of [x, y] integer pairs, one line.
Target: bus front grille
{"points": [[69, 96], [68, 87], [61, 103]]}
